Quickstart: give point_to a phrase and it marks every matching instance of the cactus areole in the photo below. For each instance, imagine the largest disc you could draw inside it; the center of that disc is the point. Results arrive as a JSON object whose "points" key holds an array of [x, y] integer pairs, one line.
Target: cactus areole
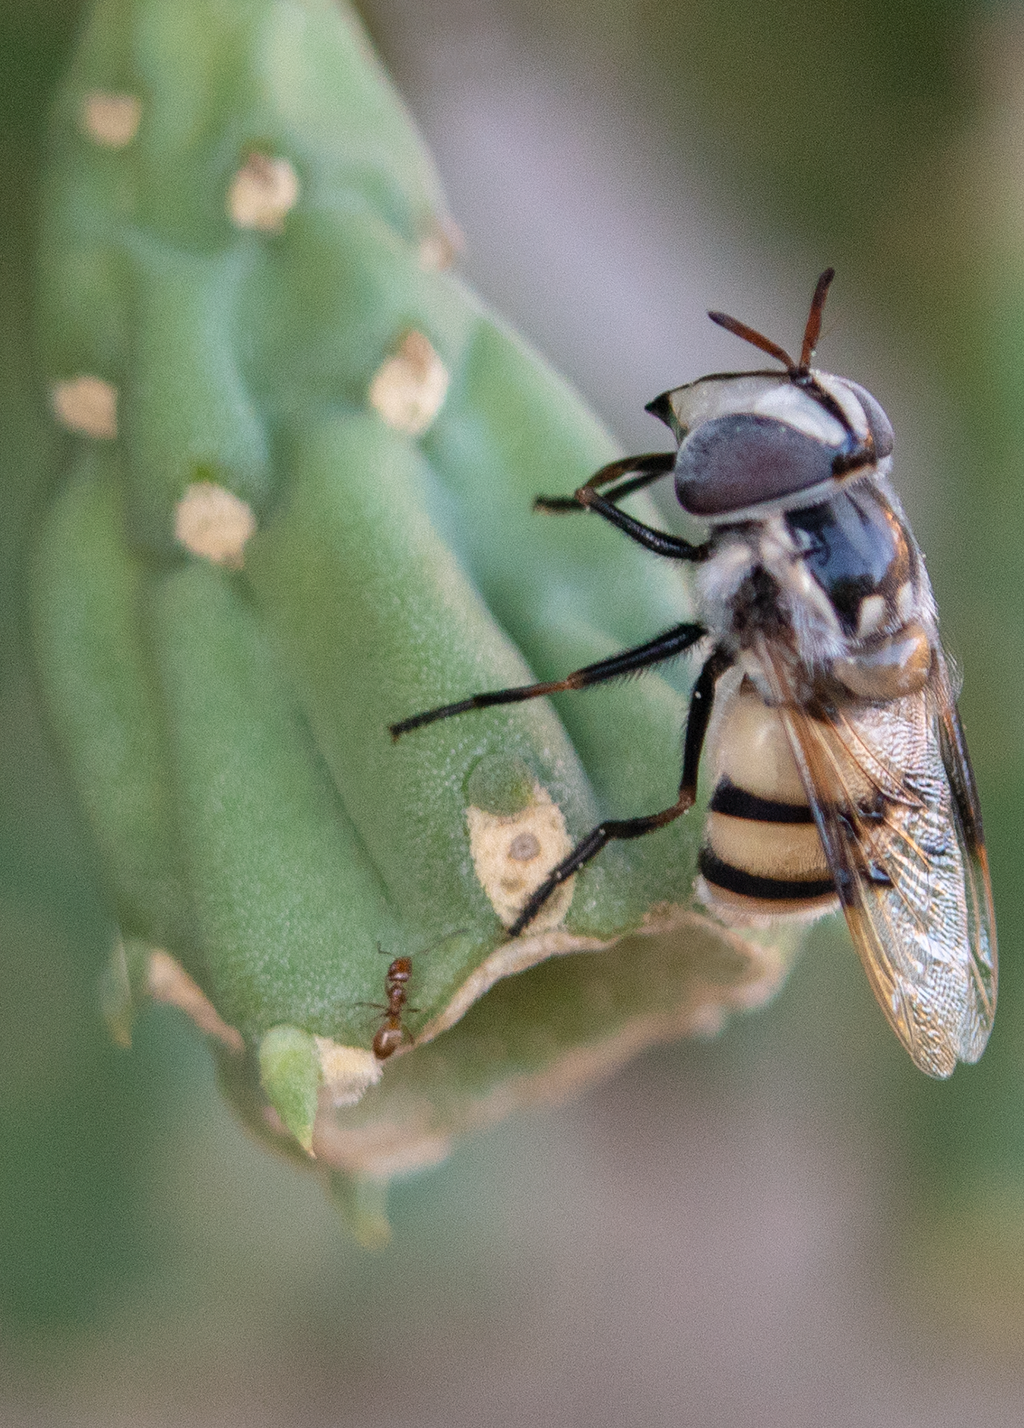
{"points": [[294, 501]]}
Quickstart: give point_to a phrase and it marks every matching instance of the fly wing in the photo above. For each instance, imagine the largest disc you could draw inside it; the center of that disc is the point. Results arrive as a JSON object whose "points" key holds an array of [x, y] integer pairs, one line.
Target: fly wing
{"points": [[970, 836], [893, 797]]}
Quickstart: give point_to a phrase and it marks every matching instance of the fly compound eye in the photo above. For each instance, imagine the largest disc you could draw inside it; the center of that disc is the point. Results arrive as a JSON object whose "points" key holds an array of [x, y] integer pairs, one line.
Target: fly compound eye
{"points": [[879, 424], [742, 460]]}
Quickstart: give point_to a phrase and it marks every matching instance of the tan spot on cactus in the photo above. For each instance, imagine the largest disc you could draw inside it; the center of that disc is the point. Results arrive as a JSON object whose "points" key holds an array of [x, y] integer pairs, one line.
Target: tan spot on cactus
{"points": [[214, 523], [87, 405], [348, 1071], [513, 854], [110, 119], [408, 389], [262, 193], [440, 247], [524, 847], [167, 981]]}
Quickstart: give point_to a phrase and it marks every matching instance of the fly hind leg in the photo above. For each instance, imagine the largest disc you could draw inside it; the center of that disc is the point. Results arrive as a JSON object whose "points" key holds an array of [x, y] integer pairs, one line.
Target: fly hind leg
{"points": [[701, 703]]}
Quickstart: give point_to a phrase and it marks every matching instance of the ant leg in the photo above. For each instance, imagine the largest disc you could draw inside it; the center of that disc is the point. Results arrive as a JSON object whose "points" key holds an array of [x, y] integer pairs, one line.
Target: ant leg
{"points": [[651, 468], [672, 642], [701, 703]]}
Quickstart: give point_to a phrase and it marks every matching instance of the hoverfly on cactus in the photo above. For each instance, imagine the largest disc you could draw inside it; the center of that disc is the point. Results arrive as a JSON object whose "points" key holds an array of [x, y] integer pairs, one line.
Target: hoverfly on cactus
{"points": [[841, 774]]}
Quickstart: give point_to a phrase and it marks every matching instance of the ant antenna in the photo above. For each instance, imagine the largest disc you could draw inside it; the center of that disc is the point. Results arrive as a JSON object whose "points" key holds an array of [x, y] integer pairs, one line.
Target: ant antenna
{"points": [[811, 332], [432, 947]]}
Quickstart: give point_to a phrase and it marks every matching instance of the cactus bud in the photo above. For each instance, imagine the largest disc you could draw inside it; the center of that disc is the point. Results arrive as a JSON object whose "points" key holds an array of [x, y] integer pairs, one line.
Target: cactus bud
{"points": [[295, 508]]}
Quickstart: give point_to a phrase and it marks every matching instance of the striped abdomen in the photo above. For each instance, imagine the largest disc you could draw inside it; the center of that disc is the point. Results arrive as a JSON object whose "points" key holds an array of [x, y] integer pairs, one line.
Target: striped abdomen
{"points": [[762, 856]]}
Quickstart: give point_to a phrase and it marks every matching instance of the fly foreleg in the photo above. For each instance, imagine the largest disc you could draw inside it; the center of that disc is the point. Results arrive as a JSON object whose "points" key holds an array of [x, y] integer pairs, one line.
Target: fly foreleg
{"points": [[650, 468]]}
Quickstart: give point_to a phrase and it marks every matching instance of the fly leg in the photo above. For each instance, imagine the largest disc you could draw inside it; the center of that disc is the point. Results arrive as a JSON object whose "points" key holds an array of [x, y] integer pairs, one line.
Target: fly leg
{"points": [[650, 469], [665, 646], [701, 703]]}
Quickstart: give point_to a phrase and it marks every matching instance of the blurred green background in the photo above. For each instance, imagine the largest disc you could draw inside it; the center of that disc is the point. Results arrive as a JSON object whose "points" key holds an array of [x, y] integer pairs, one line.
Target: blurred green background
{"points": [[789, 1225]]}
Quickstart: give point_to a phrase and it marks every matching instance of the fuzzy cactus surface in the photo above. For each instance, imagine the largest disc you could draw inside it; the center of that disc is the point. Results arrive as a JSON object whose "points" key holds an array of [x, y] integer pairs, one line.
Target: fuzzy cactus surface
{"points": [[293, 506]]}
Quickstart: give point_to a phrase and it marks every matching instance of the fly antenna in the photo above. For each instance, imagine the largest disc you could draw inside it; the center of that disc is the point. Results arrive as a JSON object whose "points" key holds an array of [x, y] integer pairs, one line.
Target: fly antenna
{"points": [[813, 329], [764, 344], [733, 324]]}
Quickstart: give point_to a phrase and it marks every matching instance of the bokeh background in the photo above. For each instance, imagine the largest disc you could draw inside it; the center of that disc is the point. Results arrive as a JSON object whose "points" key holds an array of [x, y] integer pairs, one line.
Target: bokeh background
{"points": [[789, 1225]]}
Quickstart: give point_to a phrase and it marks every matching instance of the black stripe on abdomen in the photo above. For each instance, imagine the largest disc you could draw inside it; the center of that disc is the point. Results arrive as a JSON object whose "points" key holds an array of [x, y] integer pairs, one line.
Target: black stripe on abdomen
{"points": [[739, 803], [745, 884]]}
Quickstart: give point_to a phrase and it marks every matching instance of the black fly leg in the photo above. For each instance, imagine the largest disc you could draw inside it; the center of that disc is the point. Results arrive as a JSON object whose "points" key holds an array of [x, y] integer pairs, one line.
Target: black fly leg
{"points": [[659, 541], [672, 642], [701, 703], [651, 467]]}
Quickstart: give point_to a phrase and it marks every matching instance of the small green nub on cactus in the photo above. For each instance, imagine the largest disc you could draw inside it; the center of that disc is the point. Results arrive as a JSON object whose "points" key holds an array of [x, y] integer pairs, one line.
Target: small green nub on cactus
{"points": [[290, 1075]]}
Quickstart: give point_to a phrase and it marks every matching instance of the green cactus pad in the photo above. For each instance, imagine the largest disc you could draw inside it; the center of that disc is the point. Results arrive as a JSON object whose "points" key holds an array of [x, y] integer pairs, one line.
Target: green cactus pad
{"points": [[294, 507]]}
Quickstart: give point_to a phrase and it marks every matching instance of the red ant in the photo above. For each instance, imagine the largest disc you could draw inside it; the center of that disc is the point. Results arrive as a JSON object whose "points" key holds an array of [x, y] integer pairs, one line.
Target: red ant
{"points": [[392, 1031]]}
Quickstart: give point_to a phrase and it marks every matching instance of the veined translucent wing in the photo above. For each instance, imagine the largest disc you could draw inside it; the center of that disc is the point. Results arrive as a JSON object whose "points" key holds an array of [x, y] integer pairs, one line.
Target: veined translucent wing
{"points": [[893, 797]]}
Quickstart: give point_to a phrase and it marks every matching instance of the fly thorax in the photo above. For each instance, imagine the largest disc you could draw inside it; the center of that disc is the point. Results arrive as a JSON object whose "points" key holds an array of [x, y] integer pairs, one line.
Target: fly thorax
{"points": [[857, 552], [888, 668], [717, 581], [756, 586]]}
